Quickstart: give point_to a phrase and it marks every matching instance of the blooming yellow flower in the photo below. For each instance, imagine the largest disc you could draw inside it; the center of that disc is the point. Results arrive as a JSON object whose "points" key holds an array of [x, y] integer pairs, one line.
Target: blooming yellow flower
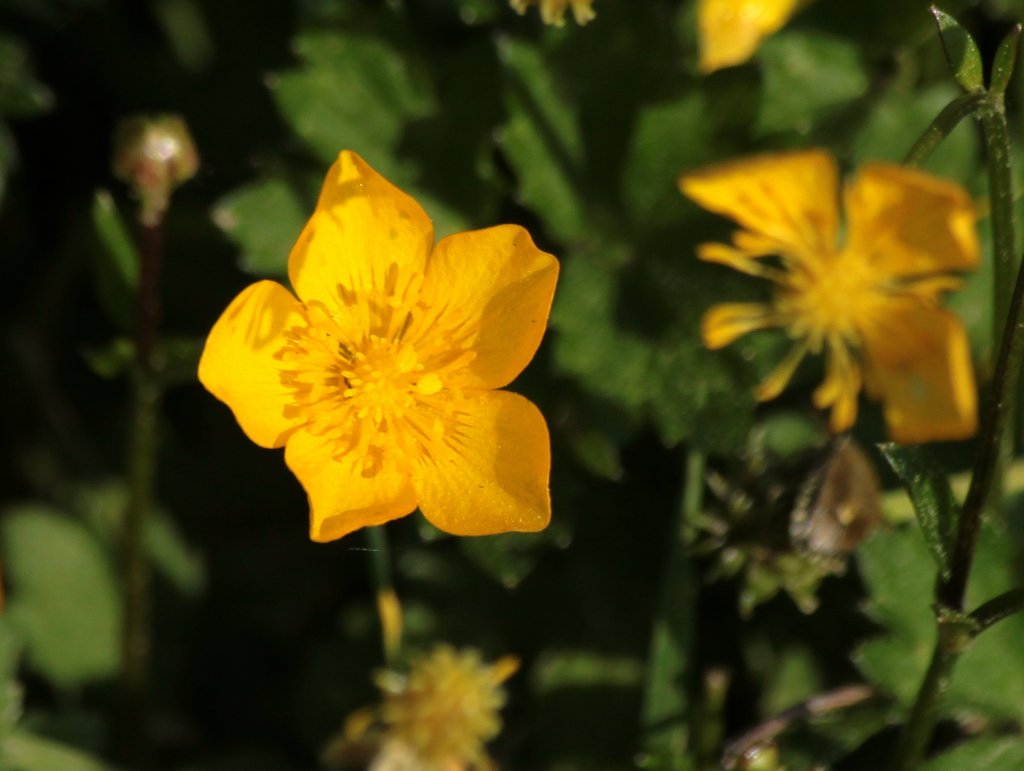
{"points": [[436, 718], [871, 301], [379, 379], [729, 31], [553, 11]]}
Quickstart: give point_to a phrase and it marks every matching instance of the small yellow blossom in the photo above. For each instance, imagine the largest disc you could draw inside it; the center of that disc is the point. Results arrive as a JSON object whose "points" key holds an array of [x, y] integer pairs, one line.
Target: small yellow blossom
{"points": [[871, 301], [729, 31], [553, 11], [437, 718], [379, 379]]}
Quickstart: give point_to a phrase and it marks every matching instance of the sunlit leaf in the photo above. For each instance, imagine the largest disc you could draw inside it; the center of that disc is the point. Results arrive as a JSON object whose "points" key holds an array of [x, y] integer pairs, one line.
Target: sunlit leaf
{"points": [[64, 600], [807, 75], [264, 219], [356, 92], [543, 142]]}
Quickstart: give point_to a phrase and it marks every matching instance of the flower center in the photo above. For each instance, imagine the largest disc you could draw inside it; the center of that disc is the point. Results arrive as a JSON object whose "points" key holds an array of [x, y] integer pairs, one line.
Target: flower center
{"points": [[824, 300], [382, 379]]}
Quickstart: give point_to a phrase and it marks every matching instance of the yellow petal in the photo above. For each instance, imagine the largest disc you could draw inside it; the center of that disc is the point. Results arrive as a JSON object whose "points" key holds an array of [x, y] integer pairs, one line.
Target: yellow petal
{"points": [[840, 388], [920, 364], [729, 31], [490, 474], [779, 377], [908, 223], [489, 293], [737, 259], [365, 236], [239, 366], [790, 198], [722, 324], [341, 497]]}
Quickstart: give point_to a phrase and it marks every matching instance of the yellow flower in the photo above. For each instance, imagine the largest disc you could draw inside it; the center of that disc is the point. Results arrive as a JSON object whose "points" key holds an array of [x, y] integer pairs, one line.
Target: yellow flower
{"points": [[379, 379], [871, 301], [729, 31], [553, 11], [436, 718]]}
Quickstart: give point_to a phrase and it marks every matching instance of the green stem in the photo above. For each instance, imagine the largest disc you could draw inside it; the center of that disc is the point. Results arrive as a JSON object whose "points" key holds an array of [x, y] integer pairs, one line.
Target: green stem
{"points": [[917, 732], [387, 601], [998, 608], [992, 116], [667, 708], [142, 464], [941, 127], [992, 445]]}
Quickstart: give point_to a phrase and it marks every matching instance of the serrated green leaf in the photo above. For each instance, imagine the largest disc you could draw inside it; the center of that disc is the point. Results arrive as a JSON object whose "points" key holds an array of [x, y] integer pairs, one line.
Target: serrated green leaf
{"points": [[542, 141], [984, 754], [961, 52], [24, 751], [807, 75], [263, 219], [668, 138], [608, 361], [928, 486], [354, 92], [116, 267], [64, 601]]}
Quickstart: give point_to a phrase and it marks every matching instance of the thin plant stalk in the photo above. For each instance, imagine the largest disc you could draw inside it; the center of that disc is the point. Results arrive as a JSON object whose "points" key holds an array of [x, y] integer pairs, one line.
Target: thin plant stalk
{"points": [[388, 608], [667, 708], [142, 464], [956, 629]]}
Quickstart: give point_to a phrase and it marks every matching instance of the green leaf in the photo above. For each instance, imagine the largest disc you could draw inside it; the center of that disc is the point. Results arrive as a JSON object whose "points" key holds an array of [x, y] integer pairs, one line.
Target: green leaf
{"points": [[961, 52], [984, 754], [508, 558], [21, 95], [116, 267], [542, 141], [669, 137], [263, 219], [24, 751], [608, 361], [64, 600], [928, 486], [102, 506], [354, 92], [988, 681], [806, 76], [1005, 61]]}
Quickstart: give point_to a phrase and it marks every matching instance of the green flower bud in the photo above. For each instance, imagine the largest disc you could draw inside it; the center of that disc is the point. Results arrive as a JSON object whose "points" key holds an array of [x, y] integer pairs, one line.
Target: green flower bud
{"points": [[154, 155]]}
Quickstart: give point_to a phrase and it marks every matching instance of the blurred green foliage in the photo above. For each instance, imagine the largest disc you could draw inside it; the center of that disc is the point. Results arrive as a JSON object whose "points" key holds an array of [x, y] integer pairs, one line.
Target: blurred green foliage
{"points": [[263, 641]]}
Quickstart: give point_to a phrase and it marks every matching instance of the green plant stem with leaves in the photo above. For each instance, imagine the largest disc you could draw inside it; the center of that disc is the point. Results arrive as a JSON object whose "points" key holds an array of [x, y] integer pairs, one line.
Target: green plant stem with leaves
{"points": [[957, 629]]}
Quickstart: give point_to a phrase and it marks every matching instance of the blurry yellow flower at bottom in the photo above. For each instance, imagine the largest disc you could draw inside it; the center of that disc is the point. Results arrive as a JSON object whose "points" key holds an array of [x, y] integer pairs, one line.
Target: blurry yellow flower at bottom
{"points": [[438, 717], [553, 11], [870, 302], [380, 377], [729, 31]]}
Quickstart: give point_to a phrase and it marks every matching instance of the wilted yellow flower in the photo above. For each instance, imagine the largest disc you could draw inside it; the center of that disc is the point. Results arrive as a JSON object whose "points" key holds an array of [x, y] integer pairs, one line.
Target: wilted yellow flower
{"points": [[870, 300], [729, 31], [378, 380], [553, 11], [439, 717]]}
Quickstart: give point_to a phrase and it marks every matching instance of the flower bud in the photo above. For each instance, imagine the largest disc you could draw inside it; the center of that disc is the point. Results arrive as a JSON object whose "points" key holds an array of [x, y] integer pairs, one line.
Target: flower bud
{"points": [[154, 155]]}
